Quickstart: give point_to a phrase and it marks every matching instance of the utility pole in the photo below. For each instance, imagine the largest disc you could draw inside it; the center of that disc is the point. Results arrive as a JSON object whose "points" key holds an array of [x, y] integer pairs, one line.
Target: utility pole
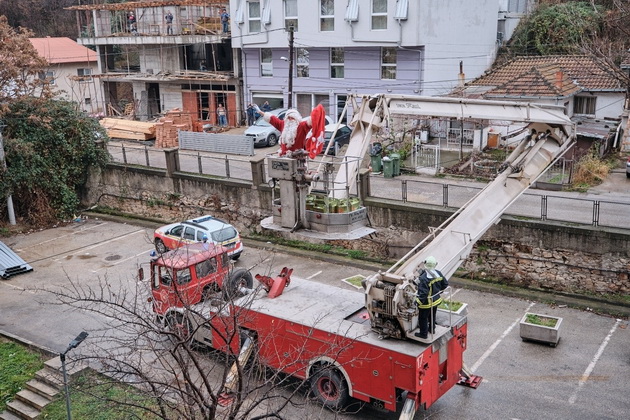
{"points": [[290, 103], [3, 165]]}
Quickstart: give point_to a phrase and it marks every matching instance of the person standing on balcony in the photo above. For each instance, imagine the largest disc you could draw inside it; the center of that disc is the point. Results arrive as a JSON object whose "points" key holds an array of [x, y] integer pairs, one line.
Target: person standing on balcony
{"points": [[131, 23], [221, 115], [225, 20], [169, 23]]}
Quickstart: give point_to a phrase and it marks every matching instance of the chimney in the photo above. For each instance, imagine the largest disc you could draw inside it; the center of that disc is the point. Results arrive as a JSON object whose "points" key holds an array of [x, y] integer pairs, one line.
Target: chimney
{"points": [[559, 77], [461, 76]]}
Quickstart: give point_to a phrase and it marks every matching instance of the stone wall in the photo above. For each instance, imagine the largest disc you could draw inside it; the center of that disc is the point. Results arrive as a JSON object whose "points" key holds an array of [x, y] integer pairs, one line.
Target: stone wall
{"points": [[548, 255]]}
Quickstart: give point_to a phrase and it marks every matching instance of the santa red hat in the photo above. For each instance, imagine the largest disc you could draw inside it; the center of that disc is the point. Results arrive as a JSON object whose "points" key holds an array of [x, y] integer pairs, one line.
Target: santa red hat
{"points": [[315, 141]]}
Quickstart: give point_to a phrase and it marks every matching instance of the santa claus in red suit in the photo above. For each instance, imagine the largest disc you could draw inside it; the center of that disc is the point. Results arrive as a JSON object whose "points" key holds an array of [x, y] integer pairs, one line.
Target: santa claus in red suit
{"points": [[297, 133]]}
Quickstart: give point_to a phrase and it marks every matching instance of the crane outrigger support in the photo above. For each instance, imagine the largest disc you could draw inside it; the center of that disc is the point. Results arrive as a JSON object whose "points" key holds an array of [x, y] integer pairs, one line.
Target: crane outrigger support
{"points": [[466, 378], [226, 397]]}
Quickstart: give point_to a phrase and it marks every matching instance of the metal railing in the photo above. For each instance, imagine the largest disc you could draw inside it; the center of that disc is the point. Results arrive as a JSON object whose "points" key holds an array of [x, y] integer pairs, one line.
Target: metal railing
{"points": [[540, 206]]}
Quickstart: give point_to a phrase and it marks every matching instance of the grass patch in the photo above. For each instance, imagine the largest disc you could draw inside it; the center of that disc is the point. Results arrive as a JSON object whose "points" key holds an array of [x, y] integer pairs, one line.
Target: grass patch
{"points": [[17, 366], [450, 305], [96, 397], [540, 320], [355, 280]]}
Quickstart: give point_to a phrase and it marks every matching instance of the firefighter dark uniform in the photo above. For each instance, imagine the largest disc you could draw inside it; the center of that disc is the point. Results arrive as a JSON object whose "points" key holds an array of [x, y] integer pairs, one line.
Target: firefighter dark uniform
{"points": [[431, 283]]}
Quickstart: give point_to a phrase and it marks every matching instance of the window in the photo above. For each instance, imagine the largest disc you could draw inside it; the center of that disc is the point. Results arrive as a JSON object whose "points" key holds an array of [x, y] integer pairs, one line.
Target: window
{"points": [[341, 103], [305, 102], [327, 15], [88, 101], [302, 62], [336, 63], [266, 64], [47, 76], [253, 8], [290, 14], [379, 14], [189, 234], [183, 276], [388, 63], [203, 268], [584, 105], [204, 107], [84, 72]]}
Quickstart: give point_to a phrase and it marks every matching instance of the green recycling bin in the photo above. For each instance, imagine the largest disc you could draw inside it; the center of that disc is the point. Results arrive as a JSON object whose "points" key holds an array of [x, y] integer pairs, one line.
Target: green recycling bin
{"points": [[395, 157], [388, 167], [376, 163]]}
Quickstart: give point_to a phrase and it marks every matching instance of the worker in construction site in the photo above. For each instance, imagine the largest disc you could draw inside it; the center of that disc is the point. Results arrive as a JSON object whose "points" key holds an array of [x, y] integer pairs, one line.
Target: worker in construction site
{"points": [[169, 23], [222, 115], [431, 282]]}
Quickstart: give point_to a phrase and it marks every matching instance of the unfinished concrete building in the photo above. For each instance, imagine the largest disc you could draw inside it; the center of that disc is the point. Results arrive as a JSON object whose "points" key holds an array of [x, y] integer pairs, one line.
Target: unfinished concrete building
{"points": [[152, 62]]}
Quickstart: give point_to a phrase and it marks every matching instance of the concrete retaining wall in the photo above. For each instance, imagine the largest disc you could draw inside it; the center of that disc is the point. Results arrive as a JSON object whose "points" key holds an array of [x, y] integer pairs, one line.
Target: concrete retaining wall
{"points": [[552, 255]]}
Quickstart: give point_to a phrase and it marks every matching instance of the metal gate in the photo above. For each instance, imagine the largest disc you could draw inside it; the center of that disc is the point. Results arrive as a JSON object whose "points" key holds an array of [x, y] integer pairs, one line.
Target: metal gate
{"points": [[426, 158]]}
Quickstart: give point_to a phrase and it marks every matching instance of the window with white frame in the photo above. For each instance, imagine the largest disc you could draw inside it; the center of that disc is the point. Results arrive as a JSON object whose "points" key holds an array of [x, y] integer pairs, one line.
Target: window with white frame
{"points": [[326, 15], [584, 105], [47, 76], [301, 62], [266, 63], [379, 14], [336, 63], [291, 14], [388, 63], [84, 74], [253, 16]]}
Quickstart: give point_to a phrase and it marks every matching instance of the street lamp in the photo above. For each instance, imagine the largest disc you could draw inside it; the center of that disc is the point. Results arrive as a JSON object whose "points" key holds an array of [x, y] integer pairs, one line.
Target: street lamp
{"points": [[73, 345]]}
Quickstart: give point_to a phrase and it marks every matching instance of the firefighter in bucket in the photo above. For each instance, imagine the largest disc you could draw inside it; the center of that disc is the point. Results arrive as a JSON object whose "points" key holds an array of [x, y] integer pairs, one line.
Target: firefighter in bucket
{"points": [[431, 283]]}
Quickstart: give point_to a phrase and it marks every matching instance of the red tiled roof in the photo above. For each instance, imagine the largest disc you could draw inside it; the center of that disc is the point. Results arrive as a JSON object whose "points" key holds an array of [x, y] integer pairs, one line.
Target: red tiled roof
{"points": [[548, 76], [62, 50]]}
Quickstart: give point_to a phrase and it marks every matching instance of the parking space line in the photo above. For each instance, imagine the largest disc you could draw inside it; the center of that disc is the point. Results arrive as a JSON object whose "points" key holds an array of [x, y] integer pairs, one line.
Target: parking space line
{"points": [[21, 289], [56, 238], [591, 366], [121, 261], [496, 343], [98, 244], [314, 275]]}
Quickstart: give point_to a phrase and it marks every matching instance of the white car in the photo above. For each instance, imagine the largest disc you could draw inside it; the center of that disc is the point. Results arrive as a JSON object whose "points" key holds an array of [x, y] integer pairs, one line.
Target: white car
{"points": [[263, 133]]}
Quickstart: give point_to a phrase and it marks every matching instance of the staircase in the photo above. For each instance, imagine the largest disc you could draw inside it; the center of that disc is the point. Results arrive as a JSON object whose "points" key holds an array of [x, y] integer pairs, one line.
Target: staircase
{"points": [[39, 391]]}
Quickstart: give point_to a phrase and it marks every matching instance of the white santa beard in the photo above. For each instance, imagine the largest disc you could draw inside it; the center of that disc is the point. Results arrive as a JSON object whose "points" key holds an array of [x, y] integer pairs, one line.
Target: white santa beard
{"points": [[289, 132]]}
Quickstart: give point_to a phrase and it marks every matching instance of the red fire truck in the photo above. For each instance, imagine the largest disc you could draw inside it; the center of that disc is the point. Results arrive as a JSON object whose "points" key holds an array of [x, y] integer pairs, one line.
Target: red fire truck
{"points": [[349, 344]]}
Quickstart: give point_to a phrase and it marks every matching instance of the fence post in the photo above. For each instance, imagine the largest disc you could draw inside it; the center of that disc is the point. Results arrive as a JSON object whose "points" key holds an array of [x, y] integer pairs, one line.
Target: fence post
{"points": [[445, 195], [404, 190], [172, 160], [543, 207], [257, 164], [146, 155], [124, 153], [227, 166], [199, 163], [595, 213], [364, 183]]}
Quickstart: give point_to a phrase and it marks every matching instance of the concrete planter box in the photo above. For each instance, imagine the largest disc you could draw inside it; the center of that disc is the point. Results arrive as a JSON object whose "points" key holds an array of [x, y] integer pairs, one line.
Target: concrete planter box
{"points": [[461, 311], [540, 333]]}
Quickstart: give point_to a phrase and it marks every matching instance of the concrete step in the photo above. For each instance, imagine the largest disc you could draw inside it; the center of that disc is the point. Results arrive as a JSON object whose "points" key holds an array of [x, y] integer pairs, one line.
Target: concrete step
{"points": [[42, 389], [30, 398], [50, 377], [6, 415], [71, 366], [23, 411]]}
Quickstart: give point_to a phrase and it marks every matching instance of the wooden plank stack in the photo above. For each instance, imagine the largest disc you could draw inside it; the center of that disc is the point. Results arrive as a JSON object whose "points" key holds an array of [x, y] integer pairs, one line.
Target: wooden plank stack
{"points": [[168, 126], [118, 128]]}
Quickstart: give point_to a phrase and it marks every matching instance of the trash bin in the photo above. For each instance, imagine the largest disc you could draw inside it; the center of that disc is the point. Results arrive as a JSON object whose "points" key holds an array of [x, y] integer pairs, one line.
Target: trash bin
{"points": [[388, 167], [376, 163], [395, 157]]}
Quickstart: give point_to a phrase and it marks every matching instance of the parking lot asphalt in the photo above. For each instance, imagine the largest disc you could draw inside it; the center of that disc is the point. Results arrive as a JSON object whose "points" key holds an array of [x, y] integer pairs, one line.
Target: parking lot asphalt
{"points": [[584, 377]]}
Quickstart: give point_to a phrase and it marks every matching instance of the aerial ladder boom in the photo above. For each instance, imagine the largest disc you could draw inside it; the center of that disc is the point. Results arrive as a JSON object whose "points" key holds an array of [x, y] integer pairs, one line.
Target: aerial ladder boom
{"points": [[390, 295]]}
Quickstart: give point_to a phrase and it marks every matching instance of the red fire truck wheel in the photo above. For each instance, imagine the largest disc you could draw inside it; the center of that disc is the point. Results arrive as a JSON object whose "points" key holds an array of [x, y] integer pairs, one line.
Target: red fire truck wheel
{"points": [[330, 388]]}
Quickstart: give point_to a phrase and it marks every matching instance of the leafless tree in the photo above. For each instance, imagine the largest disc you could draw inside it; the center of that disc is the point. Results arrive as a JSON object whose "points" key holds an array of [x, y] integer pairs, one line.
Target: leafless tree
{"points": [[170, 363]]}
